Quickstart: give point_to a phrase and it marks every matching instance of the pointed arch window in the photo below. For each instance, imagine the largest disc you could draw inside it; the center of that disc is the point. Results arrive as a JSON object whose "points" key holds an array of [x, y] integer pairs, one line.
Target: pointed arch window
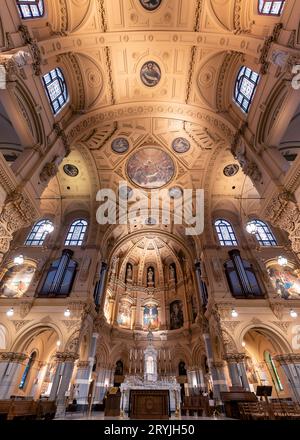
{"points": [[76, 233], [39, 233], [264, 235], [273, 371], [267, 7], [56, 89], [27, 370], [245, 88], [225, 233], [31, 8]]}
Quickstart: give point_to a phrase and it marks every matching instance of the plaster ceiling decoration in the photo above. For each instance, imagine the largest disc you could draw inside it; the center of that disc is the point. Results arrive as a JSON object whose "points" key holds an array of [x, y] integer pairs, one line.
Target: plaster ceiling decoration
{"points": [[181, 145], [120, 145], [150, 168], [231, 170], [150, 5], [71, 170], [150, 74]]}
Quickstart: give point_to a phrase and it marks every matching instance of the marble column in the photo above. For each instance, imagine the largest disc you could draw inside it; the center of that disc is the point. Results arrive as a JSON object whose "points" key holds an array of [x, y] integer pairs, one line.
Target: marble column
{"points": [[195, 378], [68, 367], [237, 370], [216, 369], [11, 366], [57, 376], [42, 367], [290, 364], [82, 383]]}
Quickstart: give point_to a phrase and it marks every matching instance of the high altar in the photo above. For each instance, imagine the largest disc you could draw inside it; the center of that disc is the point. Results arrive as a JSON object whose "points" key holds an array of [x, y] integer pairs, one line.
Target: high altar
{"points": [[150, 381]]}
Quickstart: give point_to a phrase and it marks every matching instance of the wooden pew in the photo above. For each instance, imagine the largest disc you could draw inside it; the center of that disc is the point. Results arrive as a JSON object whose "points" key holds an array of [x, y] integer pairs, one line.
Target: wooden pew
{"points": [[46, 409], [231, 400], [22, 409], [4, 409], [198, 404]]}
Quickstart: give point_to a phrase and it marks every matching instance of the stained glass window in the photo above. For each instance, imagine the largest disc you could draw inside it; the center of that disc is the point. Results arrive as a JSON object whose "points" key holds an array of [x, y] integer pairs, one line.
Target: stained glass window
{"points": [[273, 370], [266, 7], [225, 233], [30, 8], [76, 233], [39, 233], [245, 88], [27, 370], [56, 89], [264, 234]]}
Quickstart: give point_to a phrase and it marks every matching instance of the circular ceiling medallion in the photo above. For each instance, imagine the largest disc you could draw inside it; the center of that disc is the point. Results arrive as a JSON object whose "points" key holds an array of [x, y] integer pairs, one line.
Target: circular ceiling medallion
{"points": [[181, 145], [150, 5], [175, 192], [150, 168], [125, 192], [150, 221], [71, 170], [120, 145], [231, 170], [150, 74]]}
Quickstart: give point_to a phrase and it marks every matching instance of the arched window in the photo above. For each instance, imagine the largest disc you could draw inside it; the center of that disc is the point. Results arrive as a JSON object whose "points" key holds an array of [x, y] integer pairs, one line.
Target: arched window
{"points": [[225, 233], [266, 7], [76, 233], [245, 87], [264, 234], [30, 8], [27, 370], [39, 233], [273, 371], [56, 89]]}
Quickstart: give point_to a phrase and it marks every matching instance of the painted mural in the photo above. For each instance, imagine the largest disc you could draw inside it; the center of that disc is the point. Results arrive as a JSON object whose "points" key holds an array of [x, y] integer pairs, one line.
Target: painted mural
{"points": [[124, 315], [150, 74], [150, 168], [150, 5], [176, 315], [16, 280], [151, 316], [285, 282]]}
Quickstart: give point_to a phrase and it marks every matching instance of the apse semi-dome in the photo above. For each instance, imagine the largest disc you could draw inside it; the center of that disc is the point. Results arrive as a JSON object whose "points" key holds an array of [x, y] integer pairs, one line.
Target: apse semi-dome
{"points": [[150, 168]]}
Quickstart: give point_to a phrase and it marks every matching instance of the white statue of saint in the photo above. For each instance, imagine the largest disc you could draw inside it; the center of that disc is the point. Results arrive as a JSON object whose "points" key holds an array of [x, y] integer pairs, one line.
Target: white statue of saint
{"points": [[150, 365], [150, 276]]}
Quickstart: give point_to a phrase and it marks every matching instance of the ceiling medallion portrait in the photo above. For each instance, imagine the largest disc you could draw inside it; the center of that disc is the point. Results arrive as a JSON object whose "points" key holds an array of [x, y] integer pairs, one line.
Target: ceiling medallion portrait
{"points": [[150, 168], [175, 192], [120, 145], [150, 74], [231, 170], [150, 5], [71, 170], [181, 145], [125, 193]]}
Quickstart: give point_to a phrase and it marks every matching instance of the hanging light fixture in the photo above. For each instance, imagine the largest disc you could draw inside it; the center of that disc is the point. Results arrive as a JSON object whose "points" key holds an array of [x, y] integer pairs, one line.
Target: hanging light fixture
{"points": [[19, 260], [282, 261], [251, 228], [293, 314], [243, 344], [234, 313], [10, 312], [48, 227], [67, 313]]}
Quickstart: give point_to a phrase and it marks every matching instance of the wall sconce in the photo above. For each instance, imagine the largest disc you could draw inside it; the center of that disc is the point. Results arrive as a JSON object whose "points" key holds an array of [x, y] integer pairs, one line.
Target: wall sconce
{"points": [[282, 261], [251, 228], [10, 312], [67, 313], [234, 313], [19, 260], [293, 314]]}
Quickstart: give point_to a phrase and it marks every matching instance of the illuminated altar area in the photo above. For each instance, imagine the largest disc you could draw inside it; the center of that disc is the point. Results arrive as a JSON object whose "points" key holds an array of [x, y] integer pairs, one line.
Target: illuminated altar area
{"points": [[151, 380]]}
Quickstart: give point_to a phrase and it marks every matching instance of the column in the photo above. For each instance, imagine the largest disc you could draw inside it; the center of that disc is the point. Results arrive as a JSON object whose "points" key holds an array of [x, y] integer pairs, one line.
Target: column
{"points": [[68, 366], [38, 381], [82, 383], [237, 370], [216, 369], [11, 366], [290, 364], [57, 376]]}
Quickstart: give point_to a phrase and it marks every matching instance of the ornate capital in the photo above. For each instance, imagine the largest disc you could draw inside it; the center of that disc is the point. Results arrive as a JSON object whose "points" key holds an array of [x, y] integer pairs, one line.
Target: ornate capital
{"points": [[235, 358], [290, 358], [83, 365], [66, 356], [13, 357]]}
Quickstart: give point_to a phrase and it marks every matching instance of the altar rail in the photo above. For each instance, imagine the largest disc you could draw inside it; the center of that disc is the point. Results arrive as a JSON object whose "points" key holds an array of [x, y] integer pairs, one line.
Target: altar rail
{"points": [[269, 411]]}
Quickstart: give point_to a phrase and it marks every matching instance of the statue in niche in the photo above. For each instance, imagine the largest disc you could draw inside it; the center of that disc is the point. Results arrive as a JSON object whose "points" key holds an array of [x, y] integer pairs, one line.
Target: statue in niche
{"points": [[150, 365], [150, 277], [129, 272], [182, 369], [119, 368], [172, 273], [176, 315]]}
